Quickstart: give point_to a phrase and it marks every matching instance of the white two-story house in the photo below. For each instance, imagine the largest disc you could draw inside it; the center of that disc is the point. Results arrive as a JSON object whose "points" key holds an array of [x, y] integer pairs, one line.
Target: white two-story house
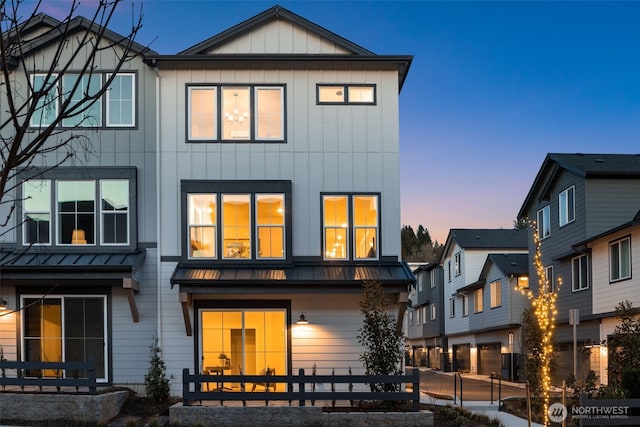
{"points": [[278, 194]]}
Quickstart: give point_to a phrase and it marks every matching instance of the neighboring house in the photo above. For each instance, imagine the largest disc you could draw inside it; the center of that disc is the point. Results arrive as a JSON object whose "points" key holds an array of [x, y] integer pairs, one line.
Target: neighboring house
{"points": [[78, 259], [495, 319], [279, 195], [463, 259], [615, 255], [425, 330], [573, 199]]}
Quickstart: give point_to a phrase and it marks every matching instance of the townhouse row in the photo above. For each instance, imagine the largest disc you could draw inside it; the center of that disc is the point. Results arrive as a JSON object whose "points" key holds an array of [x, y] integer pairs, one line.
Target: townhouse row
{"points": [[227, 191], [466, 310]]}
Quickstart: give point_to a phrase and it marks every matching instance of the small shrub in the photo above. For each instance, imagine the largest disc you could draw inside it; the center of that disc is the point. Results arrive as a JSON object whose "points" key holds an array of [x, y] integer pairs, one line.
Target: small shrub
{"points": [[156, 381]]}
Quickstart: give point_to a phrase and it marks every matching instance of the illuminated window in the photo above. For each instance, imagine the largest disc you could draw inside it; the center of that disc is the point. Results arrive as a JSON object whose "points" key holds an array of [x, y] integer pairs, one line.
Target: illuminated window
{"points": [[549, 284], [567, 206], [620, 259], [76, 201], [478, 303], [270, 225], [465, 305], [495, 288], [346, 94], [245, 113], [202, 225], [232, 225], [350, 226]]}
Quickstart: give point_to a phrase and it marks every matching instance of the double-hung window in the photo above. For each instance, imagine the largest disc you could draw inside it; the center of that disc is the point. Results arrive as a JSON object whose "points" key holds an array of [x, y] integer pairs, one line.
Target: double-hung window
{"points": [[350, 226], [620, 259], [465, 305], [543, 224], [235, 113], [549, 283], [579, 273], [433, 311], [566, 206], [434, 276], [452, 307], [76, 97], [496, 293], [458, 263], [344, 94], [62, 210], [478, 303], [236, 222]]}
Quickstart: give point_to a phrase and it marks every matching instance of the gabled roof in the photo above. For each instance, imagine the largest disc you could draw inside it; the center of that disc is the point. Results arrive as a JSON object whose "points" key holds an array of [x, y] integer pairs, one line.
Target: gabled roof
{"points": [[79, 23], [202, 55], [508, 264], [585, 165], [495, 238], [274, 13]]}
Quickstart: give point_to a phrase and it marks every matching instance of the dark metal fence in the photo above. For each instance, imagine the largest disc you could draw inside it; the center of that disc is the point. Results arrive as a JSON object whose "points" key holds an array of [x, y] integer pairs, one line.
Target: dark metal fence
{"points": [[299, 388], [49, 374]]}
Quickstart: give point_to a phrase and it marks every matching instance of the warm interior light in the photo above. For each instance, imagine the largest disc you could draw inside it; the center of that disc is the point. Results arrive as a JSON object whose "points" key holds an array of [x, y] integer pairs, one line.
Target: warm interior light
{"points": [[302, 320]]}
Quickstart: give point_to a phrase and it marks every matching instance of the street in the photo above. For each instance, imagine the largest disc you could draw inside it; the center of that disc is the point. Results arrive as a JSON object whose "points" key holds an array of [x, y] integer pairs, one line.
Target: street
{"points": [[473, 389]]}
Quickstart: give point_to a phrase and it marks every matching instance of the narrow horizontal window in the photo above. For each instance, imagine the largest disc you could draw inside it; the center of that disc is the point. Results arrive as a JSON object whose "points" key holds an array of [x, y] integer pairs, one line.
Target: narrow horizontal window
{"points": [[346, 94]]}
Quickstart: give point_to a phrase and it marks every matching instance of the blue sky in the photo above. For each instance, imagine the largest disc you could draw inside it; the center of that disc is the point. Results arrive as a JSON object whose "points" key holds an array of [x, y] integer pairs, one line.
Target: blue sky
{"points": [[494, 87]]}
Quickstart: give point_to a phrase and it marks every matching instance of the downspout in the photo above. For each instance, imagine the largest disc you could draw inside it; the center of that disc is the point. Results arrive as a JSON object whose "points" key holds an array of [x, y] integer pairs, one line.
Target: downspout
{"points": [[158, 219]]}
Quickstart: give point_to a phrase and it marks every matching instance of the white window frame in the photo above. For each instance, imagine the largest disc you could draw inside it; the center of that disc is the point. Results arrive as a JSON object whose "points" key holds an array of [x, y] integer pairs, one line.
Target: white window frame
{"points": [[433, 277], [465, 305], [457, 263], [622, 245], [495, 290], [449, 271], [132, 120], [420, 282], [424, 314], [433, 311], [418, 317], [543, 224], [567, 206], [452, 307], [550, 285], [579, 273]]}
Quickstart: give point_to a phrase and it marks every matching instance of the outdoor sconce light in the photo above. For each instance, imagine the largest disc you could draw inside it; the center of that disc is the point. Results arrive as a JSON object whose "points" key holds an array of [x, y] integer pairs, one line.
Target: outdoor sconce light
{"points": [[302, 320]]}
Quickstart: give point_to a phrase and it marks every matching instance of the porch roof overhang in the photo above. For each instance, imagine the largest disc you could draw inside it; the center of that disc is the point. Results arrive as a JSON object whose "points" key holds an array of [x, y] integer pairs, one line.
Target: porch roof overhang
{"points": [[307, 278], [115, 268]]}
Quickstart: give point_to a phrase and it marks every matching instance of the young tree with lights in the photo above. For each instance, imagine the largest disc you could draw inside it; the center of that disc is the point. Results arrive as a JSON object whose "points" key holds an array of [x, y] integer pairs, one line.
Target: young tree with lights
{"points": [[544, 311]]}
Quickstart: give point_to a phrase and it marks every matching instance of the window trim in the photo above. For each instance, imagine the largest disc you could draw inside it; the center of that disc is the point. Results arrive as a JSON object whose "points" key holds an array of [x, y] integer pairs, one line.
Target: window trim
{"points": [[96, 174], [452, 307], [253, 116], [611, 244], [580, 259], [134, 100], [550, 286], [478, 300], [222, 187], [465, 305], [495, 295], [345, 88], [457, 264], [567, 205], [545, 212], [433, 311], [351, 227], [61, 296], [49, 212]]}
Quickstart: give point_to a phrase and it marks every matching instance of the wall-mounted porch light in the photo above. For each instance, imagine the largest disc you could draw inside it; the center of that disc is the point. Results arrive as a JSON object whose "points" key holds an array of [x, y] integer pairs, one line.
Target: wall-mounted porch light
{"points": [[302, 320]]}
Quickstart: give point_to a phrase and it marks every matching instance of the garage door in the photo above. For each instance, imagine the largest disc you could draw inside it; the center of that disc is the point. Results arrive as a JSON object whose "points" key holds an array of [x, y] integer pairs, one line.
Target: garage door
{"points": [[489, 358]]}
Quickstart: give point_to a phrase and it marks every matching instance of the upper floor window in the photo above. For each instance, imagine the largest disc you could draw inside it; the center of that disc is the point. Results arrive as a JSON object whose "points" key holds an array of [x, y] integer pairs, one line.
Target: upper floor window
{"points": [[465, 305], [418, 321], [86, 211], [452, 307], [620, 259], [118, 100], [478, 303], [346, 94], [235, 113], [433, 312], [549, 283], [543, 223], [457, 263], [410, 317], [433, 278], [420, 282], [496, 293], [424, 314], [350, 226], [567, 206], [449, 271], [579, 273], [236, 223]]}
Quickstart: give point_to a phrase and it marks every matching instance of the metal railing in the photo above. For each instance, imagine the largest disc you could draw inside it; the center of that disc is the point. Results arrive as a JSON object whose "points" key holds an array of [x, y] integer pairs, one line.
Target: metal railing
{"points": [[49, 374], [195, 387]]}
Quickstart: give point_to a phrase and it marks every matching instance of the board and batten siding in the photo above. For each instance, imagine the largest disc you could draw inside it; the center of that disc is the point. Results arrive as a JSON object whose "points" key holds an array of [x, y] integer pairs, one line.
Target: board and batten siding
{"points": [[327, 149], [278, 37], [611, 202], [606, 295]]}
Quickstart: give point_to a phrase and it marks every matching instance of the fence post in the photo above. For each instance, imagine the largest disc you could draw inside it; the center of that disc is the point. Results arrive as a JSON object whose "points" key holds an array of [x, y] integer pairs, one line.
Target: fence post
{"points": [[455, 388], [500, 393], [416, 389], [91, 373], [185, 387], [491, 376], [301, 385]]}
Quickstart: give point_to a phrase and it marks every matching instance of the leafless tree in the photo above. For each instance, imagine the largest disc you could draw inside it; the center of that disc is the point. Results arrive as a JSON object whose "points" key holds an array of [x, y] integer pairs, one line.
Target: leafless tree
{"points": [[77, 44]]}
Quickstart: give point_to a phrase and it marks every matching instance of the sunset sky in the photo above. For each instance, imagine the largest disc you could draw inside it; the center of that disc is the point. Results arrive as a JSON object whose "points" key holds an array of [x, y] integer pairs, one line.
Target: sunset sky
{"points": [[494, 87]]}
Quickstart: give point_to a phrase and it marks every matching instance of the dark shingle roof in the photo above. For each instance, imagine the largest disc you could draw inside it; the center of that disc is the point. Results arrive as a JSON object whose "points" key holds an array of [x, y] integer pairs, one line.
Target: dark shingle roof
{"points": [[511, 263], [475, 238]]}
